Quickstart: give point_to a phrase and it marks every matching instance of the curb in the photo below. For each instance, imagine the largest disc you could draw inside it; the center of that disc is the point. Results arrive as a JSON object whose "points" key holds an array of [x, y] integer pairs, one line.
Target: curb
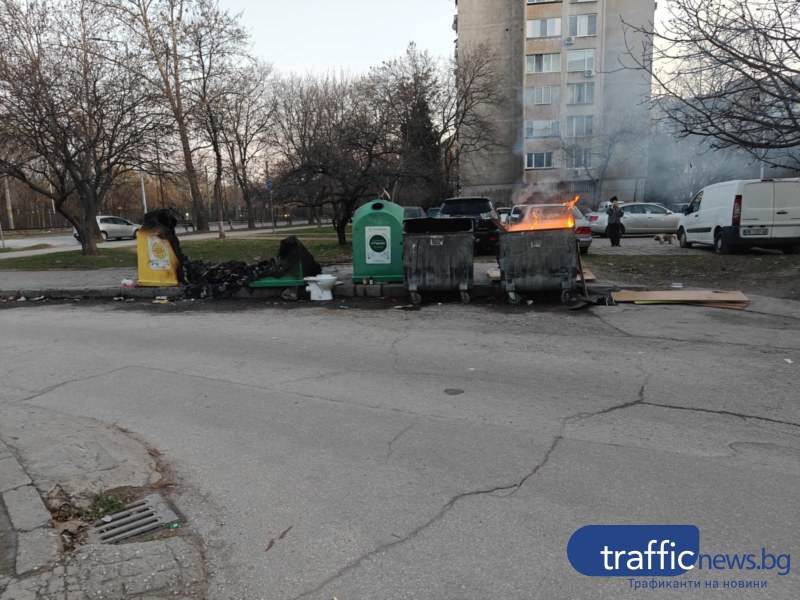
{"points": [[35, 563], [36, 547], [394, 291]]}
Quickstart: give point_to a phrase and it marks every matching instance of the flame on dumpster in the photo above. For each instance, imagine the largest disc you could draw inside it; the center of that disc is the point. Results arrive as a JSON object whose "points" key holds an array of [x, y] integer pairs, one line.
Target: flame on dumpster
{"points": [[543, 216]]}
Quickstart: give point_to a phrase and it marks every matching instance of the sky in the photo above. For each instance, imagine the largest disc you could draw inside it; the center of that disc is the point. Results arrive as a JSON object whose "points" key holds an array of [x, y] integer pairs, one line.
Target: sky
{"points": [[319, 36], [302, 36]]}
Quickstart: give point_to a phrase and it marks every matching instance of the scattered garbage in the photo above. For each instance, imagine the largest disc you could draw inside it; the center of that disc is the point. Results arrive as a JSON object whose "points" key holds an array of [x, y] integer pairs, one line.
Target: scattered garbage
{"points": [[224, 280], [161, 300], [788, 361], [289, 294], [127, 283]]}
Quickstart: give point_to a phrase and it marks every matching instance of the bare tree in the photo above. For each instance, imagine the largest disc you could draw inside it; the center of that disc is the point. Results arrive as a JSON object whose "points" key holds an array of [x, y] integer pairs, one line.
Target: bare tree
{"points": [[467, 112], [72, 118], [729, 72], [250, 106], [440, 112], [404, 90], [332, 140], [216, 43], [165, 32]]}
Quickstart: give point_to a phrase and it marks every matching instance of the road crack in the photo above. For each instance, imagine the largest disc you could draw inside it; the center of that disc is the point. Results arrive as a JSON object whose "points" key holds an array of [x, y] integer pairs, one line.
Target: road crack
{"points": [[641, 401], [394, 439], [47, 390], [589, 415], [726, 413], [512, 488]]}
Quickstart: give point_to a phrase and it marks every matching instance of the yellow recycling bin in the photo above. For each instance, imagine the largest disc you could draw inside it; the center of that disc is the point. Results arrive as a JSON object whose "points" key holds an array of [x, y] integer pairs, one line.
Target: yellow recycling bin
{"points": [[158, 265]]}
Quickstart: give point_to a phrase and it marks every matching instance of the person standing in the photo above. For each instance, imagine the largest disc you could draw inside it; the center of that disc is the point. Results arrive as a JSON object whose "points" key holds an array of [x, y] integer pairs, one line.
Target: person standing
{"points": [[614, 213]]}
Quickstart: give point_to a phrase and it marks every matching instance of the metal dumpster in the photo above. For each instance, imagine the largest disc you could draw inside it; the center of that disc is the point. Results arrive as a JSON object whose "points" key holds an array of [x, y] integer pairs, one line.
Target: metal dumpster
{"points": [[437, 256], [542, 260]]}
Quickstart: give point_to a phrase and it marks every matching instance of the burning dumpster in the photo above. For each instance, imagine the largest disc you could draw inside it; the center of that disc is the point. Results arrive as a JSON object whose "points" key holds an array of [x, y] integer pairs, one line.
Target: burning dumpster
{"points": [[437, 256], [538, 251]]}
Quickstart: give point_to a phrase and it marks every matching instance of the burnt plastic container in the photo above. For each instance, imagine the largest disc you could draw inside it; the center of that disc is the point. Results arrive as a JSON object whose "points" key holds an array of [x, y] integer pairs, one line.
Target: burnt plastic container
{"points": [[537, 261], [437, 256]]}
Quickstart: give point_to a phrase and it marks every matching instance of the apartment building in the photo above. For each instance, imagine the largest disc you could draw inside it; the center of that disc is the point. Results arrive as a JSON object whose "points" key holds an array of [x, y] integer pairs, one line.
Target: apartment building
{"points": [[575, 121]]}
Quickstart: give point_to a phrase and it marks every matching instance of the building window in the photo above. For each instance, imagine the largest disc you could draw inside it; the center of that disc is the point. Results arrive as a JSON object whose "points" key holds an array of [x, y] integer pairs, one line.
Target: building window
{"points": [[539, 160], [579, 158], [580, 60], [547, 1], [541, 128], [542, 28], [580, 126], [541, 94], [582, 25], [543, 63], [580, 93]]}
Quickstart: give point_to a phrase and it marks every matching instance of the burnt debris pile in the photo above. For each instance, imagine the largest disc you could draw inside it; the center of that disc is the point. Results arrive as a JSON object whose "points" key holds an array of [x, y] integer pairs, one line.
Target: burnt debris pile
{"points": [[224, 280]]}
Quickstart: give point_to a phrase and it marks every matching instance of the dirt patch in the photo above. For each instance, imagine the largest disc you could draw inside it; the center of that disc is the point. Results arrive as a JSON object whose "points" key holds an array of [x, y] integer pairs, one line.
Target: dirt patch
{"points": [[766, 274]]}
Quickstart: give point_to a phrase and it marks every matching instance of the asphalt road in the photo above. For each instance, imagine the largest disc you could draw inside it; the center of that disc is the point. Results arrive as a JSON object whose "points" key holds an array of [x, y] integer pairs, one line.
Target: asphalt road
{"points": [[446, 453]]}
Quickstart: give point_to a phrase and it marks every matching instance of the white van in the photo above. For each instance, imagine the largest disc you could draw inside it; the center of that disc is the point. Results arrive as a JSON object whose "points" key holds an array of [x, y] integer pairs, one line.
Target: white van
{"points": [[744, 213]]}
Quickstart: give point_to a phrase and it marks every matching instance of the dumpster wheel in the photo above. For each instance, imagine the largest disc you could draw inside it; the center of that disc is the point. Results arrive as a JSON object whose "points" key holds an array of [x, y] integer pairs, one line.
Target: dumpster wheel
{"points": [[415, 298], [566, 296], [465, 297], [514, 298]]}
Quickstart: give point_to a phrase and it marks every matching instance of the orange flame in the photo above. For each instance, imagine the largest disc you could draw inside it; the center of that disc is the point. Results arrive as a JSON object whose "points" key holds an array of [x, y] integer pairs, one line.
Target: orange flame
{"points": [[544, 216]]}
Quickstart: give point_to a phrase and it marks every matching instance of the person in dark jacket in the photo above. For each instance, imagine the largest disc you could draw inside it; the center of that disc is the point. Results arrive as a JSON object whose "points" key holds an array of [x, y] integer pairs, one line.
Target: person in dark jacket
{"points": [[614, 213]]}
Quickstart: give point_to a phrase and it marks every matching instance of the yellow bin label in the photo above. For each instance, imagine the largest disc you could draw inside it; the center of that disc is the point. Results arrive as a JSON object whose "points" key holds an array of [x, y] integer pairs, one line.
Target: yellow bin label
{"points": [[157, 261]]}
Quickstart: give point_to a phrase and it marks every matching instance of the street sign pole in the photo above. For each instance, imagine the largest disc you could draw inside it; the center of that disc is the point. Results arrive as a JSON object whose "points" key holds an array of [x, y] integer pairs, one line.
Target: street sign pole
{"points": [[268, 185]]}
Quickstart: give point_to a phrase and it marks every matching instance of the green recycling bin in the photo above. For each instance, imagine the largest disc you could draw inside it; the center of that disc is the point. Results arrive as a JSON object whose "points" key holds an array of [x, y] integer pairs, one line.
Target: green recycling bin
{"points": [[378, 242]]}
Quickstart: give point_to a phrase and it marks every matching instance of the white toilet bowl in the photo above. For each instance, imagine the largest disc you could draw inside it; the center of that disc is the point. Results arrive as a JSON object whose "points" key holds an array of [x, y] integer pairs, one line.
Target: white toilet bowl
{"points": [[320, 287]]}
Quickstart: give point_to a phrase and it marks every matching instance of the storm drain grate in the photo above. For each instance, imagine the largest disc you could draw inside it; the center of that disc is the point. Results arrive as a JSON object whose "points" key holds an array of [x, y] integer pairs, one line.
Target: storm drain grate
{"points": [[135, 519]]}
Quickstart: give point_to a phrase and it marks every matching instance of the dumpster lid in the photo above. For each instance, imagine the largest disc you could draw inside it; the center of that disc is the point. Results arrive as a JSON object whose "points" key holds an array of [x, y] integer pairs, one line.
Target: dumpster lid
{"points": [[437, 225]]}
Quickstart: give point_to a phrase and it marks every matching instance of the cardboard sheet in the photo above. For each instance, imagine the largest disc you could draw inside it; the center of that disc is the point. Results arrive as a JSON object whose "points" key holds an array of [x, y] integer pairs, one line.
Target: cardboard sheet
{"points": [[695, 297]]}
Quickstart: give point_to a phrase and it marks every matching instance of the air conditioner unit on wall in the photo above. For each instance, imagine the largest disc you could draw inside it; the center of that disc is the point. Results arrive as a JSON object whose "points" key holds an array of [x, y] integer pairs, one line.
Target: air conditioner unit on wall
{"points": [[588, 73], [568, 41]]}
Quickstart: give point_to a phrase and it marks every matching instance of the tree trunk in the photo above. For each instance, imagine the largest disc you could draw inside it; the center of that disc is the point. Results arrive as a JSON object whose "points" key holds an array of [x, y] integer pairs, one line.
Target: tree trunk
{"points": [[198, 210], [218, 189]]}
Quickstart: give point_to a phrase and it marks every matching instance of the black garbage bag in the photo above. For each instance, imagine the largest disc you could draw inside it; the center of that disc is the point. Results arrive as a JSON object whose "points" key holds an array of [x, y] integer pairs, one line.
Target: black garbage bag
{"points": [[291, 252], [224, 280]]}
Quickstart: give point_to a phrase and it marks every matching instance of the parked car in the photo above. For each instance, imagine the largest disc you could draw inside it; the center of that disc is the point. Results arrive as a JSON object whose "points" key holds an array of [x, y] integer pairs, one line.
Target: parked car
{"points": [[413, 212], [432, 212], [583, 231], [638, 217], [114, 228], [478, 209], [744, 213]]}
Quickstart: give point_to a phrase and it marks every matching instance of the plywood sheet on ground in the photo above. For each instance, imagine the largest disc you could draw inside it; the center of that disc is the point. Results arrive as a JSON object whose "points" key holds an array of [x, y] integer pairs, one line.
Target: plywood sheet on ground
{"points": [[697, 297]]}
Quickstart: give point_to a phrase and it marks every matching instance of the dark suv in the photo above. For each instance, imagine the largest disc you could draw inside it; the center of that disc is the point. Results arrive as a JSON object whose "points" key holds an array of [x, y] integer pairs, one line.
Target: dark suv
{"points": [[485, 232]]}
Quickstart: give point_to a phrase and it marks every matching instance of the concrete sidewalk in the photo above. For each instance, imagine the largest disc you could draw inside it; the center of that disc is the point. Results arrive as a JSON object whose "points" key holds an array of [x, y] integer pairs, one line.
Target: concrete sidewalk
{"points": [[50, 455]]}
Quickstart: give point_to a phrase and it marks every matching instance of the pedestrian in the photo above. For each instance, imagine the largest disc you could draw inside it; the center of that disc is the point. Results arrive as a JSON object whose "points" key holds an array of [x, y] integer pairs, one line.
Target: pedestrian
{"points": [[614, 229]]}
